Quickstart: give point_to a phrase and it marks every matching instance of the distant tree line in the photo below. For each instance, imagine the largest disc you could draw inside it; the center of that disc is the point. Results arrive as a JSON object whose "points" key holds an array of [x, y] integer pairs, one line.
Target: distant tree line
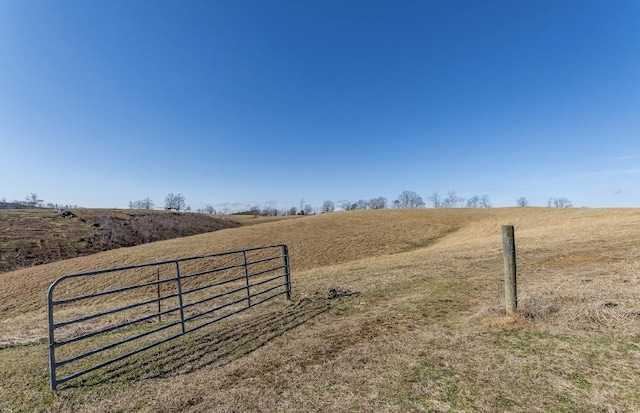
{"points": [[406, 199], [551, 203], [410, 199], [559, 203], [33, 201], [146, 203], [172, 202], [373, 203]]}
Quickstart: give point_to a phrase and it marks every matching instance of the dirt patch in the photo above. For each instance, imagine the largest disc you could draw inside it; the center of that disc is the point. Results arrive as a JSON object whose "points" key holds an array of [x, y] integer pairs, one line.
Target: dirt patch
{"points": [[338, 292]]}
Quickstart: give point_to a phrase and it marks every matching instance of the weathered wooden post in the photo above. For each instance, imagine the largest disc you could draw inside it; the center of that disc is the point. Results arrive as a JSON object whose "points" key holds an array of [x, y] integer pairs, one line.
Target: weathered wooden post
{"points": [[509, 255]]}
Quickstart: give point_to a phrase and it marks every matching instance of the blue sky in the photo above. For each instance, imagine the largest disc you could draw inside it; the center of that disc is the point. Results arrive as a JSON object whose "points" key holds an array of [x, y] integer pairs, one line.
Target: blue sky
{"points": [[268, 102]]}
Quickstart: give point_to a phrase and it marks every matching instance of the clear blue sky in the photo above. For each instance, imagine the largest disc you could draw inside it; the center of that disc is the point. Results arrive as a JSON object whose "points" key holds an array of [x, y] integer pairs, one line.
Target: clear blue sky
{"points": [[103, 102]]}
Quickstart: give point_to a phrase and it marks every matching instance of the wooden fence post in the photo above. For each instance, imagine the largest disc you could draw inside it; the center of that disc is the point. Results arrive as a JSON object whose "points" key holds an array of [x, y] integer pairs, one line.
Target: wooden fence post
{"points": [[509, 255]]}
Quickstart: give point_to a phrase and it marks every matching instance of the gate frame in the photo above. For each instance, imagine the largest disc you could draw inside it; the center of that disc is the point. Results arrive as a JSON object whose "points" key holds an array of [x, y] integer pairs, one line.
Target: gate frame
{"points": [[177, 280]]}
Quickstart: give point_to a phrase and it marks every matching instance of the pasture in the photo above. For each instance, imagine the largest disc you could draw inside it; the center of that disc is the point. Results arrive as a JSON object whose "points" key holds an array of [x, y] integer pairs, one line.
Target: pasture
{"points": [[392, 310]]}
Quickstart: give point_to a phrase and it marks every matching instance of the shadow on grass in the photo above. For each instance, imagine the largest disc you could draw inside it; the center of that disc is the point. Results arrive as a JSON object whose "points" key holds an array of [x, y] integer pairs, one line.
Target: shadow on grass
{"points": [[208, 346]]}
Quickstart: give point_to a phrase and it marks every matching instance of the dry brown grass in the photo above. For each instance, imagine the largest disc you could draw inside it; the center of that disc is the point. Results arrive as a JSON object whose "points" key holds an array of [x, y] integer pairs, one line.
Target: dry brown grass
{"points": [[253, 220], [30, 237], [426, 333], [314, 242]]}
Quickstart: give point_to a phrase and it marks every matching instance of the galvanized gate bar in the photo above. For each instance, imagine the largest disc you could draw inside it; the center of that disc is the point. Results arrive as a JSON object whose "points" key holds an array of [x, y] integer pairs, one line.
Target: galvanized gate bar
{"points": [[115, 310], [108, 292], [287, 270], [114, 360], [242, 277], [114, 344], [218, 269], [213, 297], [112, 328], [180, 299], [246, 275], [257, 288], [266, 271], [213, 310], [230, 314], [264, 260]]}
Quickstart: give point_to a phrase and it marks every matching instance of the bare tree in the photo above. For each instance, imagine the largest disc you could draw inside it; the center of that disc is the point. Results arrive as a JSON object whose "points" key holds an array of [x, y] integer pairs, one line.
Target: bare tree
{"points": [[33, 201], [378, 203], [362, 204], [564, 203], [174, 202], [477, 201], [209, 209], [308, 209], [409, 199], [328, 206], [485, 202], [473, 202], [180, 203], [522, 202], [560, 203], [271, 208], [436, 199], [396, 203], [269, 211], [347, 205], [146, 203], [452, 200], [292, 211]]}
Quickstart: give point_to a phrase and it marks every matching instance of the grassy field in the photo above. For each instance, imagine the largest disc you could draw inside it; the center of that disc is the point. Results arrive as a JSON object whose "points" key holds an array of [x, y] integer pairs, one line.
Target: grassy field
{"points": [[252, 220], [426, 331]]}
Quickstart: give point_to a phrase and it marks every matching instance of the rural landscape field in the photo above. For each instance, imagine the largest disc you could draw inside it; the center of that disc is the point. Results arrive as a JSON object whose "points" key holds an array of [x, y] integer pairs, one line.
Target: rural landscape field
{"points": [[392, 310]]}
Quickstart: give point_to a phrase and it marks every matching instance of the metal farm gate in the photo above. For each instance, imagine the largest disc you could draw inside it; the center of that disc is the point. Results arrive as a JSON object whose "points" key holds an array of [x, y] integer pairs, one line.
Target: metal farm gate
{"points": [[100, 317]]}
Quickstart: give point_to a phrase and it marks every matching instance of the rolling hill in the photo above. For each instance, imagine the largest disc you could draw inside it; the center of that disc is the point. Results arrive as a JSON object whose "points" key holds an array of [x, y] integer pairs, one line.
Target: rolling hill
{"points": [[38, 236], [426, 330]]}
